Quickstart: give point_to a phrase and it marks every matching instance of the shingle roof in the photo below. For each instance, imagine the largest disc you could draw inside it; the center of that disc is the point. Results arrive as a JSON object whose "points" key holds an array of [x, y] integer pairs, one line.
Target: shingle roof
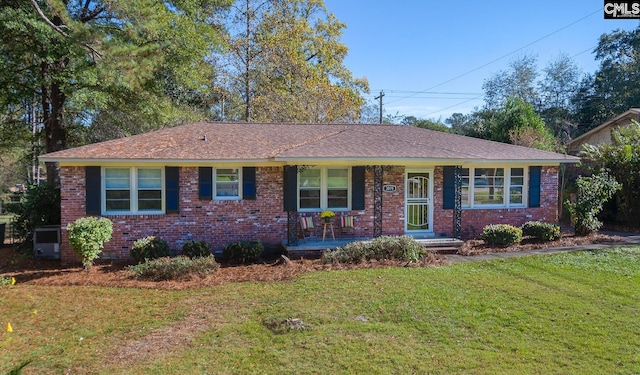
{"points": [[215, 141]]}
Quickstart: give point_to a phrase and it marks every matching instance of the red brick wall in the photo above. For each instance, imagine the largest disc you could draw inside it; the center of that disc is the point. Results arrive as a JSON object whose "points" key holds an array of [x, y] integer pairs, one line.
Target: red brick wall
{"points": [[221, 222], [473, 220], [217, 222]]}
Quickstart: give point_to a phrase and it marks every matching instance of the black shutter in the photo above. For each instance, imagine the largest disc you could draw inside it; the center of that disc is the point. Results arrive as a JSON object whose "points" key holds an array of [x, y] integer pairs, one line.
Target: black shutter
{"points": [[93, 191], [535, 174], [172, 194], [448, 187], [249, 183], [357, 188], [290, 188], [205, 181]]}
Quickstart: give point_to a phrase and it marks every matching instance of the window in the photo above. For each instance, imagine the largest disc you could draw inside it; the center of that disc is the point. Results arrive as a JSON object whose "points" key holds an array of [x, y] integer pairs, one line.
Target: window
{"points": [[310, 186], [133, 190], [516, 186], [324, 188], [489, 186], [337, 188], [149, 189], [226, 183]]}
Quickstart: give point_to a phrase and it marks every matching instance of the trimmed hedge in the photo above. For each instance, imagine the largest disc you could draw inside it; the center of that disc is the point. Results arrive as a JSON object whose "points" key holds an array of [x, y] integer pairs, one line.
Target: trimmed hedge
{"points": [[541, 231], [148, 248], [196, 249], [501, 234], [243, 251]]}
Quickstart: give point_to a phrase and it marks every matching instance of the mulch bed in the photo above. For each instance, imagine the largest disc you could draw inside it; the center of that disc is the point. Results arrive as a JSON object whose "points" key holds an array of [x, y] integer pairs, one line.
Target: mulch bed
{"points": [[115, 274]]}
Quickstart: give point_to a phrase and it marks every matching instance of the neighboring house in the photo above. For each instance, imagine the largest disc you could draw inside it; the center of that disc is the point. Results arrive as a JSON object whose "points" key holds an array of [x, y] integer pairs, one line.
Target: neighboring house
{"points": [[602, 133], [224, 182]]}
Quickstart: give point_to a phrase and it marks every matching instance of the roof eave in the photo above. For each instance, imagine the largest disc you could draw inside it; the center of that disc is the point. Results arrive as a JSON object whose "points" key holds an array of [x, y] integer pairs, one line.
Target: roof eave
{"points": [[438, 161], [605, 124], [168, 162]]}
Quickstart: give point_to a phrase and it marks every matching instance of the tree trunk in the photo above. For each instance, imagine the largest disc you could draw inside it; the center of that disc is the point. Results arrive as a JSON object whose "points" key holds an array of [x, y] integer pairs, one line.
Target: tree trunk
{"points": [[53, 104]]}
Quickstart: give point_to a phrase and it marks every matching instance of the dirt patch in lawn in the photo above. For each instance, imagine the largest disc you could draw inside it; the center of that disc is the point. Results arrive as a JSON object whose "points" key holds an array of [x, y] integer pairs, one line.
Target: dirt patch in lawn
{"points": [[42, 272]]}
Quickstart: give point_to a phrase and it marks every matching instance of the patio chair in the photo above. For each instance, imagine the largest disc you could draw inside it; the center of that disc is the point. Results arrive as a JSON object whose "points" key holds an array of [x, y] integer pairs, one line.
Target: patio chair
{"points": [[348, 225], [306, 227]]}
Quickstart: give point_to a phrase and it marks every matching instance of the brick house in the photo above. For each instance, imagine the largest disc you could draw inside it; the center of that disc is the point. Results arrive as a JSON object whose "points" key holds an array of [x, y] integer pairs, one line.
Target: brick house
{"points": [[224, 182]]}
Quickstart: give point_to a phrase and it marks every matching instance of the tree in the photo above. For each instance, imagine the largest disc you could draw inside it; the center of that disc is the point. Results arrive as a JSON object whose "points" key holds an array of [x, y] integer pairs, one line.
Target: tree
{"points": [[518, 81], [81, 59], [471, 125], [613, 88], [425, 124], [557, 88], [286, 63], [518, 123]]}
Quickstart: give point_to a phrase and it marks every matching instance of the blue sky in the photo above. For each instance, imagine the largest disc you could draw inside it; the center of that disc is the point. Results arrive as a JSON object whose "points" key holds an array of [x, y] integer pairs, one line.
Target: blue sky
{"points": [[431, 57]]}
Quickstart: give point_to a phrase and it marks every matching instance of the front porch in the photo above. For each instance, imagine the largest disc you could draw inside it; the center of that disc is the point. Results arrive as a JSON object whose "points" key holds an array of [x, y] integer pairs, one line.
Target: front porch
{"points": [[313, 247]]}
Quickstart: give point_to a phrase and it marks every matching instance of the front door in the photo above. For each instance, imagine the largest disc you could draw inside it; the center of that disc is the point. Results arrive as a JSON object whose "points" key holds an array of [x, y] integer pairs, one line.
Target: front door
{"points": [[418, 207]]}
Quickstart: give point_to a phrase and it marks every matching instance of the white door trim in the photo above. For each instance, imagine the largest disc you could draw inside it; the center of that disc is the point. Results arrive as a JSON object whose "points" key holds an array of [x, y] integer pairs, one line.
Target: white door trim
{"points": [[428, 201]]}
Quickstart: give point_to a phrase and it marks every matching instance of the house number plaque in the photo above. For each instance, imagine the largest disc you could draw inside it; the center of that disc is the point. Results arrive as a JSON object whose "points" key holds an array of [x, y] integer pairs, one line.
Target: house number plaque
{"points": [[389, 188]]}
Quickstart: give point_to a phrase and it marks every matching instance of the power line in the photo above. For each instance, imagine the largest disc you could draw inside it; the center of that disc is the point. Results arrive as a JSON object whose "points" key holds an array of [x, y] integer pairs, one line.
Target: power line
{"points": [[501, 57], [480, 95]]}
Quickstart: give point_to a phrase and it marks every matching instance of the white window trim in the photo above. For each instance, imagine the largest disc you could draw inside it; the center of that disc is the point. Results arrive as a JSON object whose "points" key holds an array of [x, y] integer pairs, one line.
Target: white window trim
{"points": [[324, 191], [507, 185], [133, 192], [214, 186]]}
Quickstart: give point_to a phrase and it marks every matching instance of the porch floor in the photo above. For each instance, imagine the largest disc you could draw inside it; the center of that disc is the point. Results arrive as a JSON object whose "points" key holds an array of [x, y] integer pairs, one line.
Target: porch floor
{"points": [[313, 247]]}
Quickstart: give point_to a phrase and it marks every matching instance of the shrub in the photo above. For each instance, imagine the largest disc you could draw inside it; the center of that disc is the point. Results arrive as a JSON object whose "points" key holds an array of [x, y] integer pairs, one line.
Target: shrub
{"points": [[180, 267], [243, 251], [593, 193], [196, 249], [87, 237], [148, 248], [501, 234], [541, 231], [39, 205], [383, 247]]}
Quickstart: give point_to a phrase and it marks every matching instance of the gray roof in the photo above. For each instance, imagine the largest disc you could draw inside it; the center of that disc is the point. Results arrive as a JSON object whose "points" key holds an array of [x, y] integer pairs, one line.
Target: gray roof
{"points": [[291, 143]]}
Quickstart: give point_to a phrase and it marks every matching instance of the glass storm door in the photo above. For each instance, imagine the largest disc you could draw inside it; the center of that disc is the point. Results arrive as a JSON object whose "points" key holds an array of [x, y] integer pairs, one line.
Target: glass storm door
{"points": [[418, 202]]}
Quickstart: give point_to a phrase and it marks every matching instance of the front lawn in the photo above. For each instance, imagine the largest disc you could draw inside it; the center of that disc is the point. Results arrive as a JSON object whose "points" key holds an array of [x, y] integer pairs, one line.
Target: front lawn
{"points": [[565, 313]]}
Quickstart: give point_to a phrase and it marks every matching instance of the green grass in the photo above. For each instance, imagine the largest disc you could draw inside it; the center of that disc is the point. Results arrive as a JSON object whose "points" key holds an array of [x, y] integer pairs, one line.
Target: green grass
{"points": [[556, 314]]}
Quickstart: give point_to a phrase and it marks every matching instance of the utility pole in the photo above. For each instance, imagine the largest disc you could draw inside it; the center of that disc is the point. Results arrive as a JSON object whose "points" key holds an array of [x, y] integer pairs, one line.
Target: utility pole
{"points": [[380, 97]]}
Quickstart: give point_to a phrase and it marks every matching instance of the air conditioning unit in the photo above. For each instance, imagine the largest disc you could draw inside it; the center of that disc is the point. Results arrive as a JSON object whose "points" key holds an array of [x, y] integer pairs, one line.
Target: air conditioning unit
{"points": [[46, 242]]}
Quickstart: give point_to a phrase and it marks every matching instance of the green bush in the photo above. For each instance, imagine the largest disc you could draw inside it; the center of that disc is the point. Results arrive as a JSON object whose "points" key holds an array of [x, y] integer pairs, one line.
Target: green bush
{"points": [[148, 248], [243, 251], [383, 247], [501, 234], [541, 231], [593, 193], [180, 267], [195, 249], [87, 237], [39, 205]]}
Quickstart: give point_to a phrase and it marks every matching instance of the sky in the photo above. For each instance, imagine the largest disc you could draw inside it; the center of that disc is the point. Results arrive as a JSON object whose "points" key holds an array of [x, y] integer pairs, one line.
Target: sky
{"points": [[431, 57]]}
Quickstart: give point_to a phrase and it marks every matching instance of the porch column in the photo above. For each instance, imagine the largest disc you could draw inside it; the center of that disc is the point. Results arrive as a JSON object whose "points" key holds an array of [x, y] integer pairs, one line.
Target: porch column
{"points": [[457, 201], [378, 181], [289, 194], [292, 227]]}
